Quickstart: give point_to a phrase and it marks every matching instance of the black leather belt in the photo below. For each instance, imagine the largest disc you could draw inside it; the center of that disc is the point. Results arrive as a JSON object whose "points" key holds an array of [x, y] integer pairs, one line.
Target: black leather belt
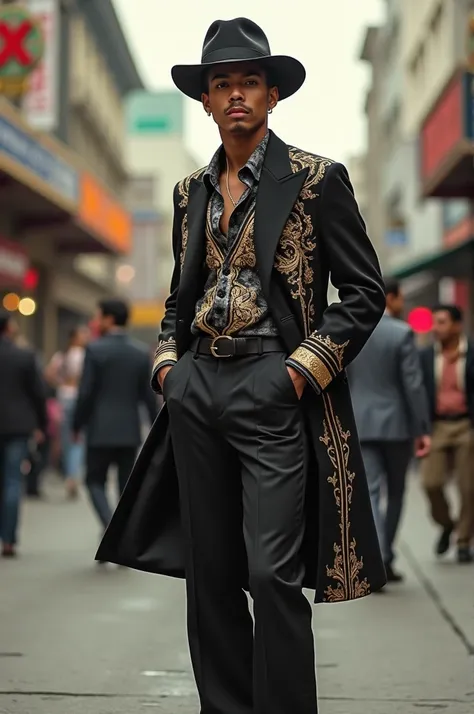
{"points": [[451, 417], [226, 346]]}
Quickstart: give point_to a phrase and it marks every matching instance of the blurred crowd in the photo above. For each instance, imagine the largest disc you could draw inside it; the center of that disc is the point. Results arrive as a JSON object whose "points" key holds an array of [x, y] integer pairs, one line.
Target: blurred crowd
{"points": [[73, 417]]}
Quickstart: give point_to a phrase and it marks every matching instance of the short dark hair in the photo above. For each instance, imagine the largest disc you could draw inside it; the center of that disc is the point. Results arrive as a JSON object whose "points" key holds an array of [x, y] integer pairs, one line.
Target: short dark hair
{"points": [[392, 287], [116, 308], [5, 318], [454, 311]]}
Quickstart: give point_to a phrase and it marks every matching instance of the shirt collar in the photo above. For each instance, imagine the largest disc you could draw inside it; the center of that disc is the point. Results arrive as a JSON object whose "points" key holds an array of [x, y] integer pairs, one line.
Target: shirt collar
{"points": [[463, 346], [254, 165]]}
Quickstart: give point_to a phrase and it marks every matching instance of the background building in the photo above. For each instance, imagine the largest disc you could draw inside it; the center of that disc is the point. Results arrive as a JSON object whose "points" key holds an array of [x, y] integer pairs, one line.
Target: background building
{"points": [[62, 169], [157, 158], [420, 177]]}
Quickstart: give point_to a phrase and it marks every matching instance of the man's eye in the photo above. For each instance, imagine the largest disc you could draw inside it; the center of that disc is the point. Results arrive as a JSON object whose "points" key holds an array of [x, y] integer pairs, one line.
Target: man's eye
{"points": [[221, 85], [251, 81]]}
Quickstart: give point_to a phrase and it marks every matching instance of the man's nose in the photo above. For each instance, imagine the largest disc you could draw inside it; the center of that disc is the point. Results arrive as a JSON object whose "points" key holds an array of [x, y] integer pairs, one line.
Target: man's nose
{"points": [[237, 94]]}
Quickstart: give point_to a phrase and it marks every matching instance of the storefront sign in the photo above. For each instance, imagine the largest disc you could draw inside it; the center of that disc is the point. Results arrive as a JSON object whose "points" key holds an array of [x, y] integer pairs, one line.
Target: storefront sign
{"points": [[32, 155], [14, 263], [41, 100], [156, 113], [469, 104], [443, 128], [104, 215], [21, 48]]}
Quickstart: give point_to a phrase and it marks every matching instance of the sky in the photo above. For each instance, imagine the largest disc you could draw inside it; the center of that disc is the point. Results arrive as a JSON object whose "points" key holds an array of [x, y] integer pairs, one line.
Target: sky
{"points": [[325, 117]]}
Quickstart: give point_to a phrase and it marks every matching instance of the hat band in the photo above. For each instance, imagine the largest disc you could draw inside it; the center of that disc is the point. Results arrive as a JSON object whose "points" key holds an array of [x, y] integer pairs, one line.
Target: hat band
{"points": [[231, 54]]}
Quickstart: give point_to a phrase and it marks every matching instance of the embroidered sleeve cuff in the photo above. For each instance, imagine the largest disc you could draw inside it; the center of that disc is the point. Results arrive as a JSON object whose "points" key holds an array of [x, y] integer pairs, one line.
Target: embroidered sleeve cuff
{"points": [[165, 356], [319, 359], [305, 372]]}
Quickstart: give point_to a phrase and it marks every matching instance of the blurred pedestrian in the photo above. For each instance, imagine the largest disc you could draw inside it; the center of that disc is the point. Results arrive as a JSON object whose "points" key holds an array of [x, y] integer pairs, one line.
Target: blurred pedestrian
{"points": [[22, 415], [391, 411], [114, 384], [448, 370], [249, 355], [64, 372]]}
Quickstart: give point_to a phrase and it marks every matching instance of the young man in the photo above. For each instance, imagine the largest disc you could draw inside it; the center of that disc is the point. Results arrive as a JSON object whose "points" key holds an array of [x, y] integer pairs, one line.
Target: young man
{"points": [[257, 428], [22, 416], [448, 370], [114, 384], [391, 411]]}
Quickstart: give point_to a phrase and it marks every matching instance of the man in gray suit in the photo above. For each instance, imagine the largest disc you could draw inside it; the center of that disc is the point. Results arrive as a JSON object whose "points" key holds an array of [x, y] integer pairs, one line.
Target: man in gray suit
{"points": [[391, 410]]}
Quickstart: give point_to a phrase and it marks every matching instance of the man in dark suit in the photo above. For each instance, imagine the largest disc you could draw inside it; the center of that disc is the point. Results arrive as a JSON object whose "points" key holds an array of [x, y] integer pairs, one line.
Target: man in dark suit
{"points": [[115, 382], [448, 371], [22, 415], [391, 412]]}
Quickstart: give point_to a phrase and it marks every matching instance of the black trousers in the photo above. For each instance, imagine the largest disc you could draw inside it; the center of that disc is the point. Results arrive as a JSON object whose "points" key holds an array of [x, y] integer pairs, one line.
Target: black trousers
{"points": [[238, 440], [99, 460]]}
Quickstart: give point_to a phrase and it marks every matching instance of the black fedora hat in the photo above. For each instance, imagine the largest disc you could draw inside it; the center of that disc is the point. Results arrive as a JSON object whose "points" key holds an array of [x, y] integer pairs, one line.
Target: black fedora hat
{"points": [[239, 40]]}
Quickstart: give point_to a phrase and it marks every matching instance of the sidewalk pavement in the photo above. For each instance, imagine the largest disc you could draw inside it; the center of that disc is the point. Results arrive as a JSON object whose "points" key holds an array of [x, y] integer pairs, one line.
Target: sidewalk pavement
{"points": [[80, 639]]}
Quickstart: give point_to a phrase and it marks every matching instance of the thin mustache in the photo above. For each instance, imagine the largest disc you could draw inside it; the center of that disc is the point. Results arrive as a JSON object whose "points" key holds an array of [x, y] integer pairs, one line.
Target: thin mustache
{"points": [[238, 107]]}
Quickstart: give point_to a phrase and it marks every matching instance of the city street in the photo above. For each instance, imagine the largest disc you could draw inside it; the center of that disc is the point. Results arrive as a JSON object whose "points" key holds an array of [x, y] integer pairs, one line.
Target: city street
{"points": [[80, 639]]}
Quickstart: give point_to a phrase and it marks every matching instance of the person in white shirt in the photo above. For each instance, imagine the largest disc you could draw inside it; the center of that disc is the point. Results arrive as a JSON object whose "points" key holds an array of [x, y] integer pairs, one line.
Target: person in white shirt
{"points": [[64, 372]]}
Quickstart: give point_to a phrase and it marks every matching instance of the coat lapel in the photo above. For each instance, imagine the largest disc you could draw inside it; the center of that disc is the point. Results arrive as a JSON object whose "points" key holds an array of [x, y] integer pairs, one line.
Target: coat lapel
{"points": [[278, 191], [195, 249]]}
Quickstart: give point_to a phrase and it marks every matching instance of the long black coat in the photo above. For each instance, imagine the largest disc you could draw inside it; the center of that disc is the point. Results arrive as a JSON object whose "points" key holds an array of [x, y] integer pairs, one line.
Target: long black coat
{"points": [[307, 227]]}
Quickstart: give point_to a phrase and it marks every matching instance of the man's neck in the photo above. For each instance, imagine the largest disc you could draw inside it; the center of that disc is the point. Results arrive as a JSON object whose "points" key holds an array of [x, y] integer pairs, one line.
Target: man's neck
{"points": [[452, 344], [238, 149]]}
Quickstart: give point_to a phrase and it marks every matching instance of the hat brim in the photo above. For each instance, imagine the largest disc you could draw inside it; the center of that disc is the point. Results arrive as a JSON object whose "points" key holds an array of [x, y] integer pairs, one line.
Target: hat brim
{"points": [[287, 73]]}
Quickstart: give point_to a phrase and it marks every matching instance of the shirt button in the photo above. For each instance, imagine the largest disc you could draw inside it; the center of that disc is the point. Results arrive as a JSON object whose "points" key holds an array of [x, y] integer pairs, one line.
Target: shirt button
{"points": [[221, 293]]}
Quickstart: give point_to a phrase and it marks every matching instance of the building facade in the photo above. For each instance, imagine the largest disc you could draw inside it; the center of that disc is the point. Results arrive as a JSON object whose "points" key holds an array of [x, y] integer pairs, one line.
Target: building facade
{"points": [[63, 172], [157, 159], [418, 55]]}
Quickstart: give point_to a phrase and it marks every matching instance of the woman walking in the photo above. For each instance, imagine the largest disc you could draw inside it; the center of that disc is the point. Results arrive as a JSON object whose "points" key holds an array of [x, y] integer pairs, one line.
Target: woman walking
{"points": [[64, 372]]}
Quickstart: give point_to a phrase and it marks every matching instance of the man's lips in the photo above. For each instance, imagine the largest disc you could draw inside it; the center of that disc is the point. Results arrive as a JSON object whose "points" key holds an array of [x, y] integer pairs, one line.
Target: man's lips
{"points": [[240, 111]]}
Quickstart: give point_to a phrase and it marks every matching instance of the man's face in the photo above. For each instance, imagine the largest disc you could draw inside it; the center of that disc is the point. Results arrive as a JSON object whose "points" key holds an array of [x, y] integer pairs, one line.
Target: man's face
{"points": [[444, 327], [239, 98], [395, 304], [104, 322]]}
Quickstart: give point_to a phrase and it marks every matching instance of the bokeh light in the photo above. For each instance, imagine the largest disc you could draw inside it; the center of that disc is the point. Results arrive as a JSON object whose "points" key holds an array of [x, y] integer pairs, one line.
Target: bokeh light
{"points": [[11, 302], [27, 306]]}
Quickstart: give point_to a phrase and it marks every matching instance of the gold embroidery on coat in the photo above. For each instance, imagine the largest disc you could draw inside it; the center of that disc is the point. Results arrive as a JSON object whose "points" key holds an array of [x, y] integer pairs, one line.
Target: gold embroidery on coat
{"points": [[183, 191], [165, 351], [314, 365], [347, 567], [329, 351], [298, 242]]}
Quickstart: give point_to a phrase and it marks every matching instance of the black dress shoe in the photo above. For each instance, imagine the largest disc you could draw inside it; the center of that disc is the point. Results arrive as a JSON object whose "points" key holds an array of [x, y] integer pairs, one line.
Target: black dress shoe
{"points": [[442, 546], [464, 554], [392, 575]]}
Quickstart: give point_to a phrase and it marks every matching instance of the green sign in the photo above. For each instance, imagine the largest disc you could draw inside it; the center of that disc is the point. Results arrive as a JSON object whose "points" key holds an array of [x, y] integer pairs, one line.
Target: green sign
{"points": [[21, 47], [159, 113]]}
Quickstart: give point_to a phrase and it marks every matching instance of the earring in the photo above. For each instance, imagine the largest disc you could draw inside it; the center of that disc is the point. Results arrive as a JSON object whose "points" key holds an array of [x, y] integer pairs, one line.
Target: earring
{"points": [[208, 114], [270, 111]]}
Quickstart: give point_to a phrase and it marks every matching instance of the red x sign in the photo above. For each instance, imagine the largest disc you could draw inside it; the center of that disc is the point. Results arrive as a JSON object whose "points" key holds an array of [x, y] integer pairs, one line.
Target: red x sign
{"points": [[13, 43]]}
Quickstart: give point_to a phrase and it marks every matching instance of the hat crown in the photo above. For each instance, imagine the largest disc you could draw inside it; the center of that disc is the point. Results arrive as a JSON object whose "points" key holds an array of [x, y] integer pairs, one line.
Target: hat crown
{"points": [[240, 33]]}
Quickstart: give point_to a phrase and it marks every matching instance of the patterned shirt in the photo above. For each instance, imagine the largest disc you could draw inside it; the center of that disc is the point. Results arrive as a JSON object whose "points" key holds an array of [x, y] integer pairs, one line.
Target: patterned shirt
{"points": [[233, 302]]}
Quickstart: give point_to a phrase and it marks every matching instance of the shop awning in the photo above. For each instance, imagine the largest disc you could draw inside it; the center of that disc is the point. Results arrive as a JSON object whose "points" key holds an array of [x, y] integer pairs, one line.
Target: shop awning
{"points": [[450, 262], [46, 189]]}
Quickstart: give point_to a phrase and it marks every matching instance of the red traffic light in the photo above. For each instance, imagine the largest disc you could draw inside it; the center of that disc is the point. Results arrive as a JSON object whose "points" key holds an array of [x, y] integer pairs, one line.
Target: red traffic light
{"points": [[420, 320]]}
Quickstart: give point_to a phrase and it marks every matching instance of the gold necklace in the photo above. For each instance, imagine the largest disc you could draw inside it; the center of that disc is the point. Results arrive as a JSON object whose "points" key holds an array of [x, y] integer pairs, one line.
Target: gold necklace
{"points": [[227, 184]]}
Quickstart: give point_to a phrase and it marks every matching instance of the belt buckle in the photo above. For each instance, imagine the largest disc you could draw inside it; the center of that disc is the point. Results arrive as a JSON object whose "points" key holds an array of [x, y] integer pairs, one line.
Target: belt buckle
{"points": [[214, 348]]}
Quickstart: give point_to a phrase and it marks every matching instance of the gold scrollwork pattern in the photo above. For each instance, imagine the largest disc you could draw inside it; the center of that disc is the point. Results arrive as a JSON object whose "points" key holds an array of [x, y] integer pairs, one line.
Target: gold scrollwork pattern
{"points": [[347, 566], [322, 357], [298, 243], [183, 191], [165, 352]]}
